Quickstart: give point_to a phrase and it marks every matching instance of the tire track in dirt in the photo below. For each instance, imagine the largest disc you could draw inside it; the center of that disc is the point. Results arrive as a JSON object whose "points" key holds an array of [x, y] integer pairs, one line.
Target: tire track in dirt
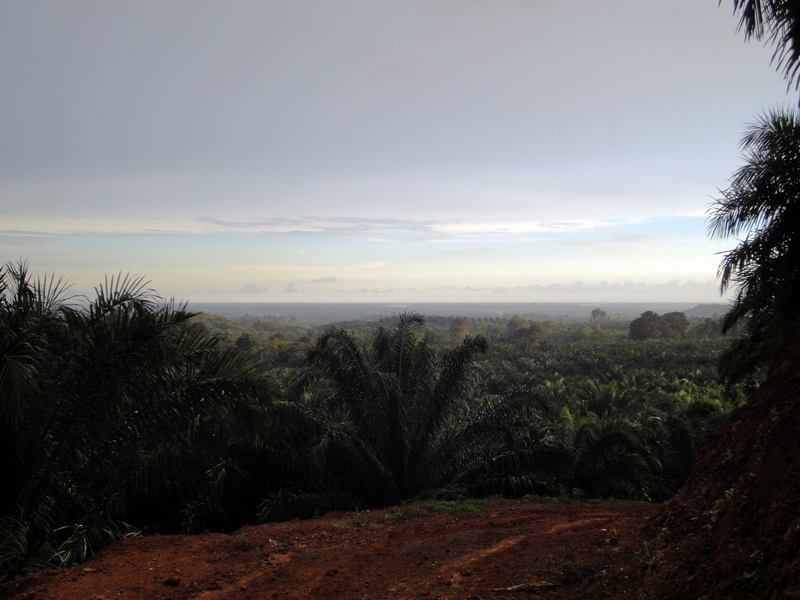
{"points": [[448, 556]]}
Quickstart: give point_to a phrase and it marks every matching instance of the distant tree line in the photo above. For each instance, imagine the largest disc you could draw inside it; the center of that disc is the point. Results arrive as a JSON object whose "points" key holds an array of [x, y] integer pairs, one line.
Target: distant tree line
{"points": [[650, 326]]}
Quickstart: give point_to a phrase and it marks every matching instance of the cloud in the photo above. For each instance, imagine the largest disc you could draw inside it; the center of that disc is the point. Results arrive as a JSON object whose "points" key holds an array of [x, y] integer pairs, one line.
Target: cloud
{"points": [[621, 243], [330, 279], [252, 288], [261, 268], [18, 237], [467, 252], [382, 230], [144, 233], [482, 227], [639, 238], [374, 291], [25, 238], [604, 287], [392, 230], [324, 226], [290, 289]]}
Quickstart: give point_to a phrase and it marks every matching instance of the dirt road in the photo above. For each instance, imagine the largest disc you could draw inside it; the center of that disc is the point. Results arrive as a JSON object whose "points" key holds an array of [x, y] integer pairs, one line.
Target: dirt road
{"points": [[496, 549]]}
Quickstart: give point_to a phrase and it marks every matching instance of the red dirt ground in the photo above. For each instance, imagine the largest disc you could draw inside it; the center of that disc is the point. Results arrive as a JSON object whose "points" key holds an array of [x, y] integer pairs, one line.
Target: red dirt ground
{"points": [[556, 550], [733, 531]]}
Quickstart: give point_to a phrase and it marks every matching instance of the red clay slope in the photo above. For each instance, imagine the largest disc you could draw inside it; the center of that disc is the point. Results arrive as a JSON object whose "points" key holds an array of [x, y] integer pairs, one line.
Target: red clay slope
{"points": [[733, 531]]}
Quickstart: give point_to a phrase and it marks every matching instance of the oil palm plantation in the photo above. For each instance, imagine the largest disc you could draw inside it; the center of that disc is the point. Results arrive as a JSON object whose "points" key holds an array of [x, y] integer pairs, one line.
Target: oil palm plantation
{"points": [[101, 403], [378, 423]]}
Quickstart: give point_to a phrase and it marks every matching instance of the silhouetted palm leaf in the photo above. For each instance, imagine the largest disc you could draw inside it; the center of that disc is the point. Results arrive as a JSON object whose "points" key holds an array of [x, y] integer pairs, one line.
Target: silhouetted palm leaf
{"points": [[762, 203], [102, 401]]}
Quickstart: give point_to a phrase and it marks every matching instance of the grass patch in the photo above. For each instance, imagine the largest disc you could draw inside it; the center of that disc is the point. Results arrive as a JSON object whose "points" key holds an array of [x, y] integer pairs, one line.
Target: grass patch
{"points": [[404, 512], [357, 521], [425, 508]]}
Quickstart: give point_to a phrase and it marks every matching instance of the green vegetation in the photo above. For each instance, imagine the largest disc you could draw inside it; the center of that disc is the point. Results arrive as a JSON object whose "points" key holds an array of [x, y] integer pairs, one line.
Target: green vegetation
{"points": [[395, 419], [672, 326], [114, 415], [124, 414], [764, 269]]}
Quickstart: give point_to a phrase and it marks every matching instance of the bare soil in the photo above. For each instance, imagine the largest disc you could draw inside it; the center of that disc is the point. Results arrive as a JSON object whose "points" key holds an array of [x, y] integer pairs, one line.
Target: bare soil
{"points": [[505, 549], [733, 531]]}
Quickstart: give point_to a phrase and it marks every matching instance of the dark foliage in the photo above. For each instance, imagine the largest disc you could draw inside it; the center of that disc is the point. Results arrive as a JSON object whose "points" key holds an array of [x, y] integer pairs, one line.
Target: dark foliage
{"points": [[762, 204], [120, 415], [779, 20], [671, 326], [106, 405], [397, 419]]}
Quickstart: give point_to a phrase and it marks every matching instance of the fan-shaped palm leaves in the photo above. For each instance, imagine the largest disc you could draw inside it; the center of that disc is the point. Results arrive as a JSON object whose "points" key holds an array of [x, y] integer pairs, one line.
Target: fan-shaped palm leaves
{"points": [[98, 400], [780, 20], [393, 420], [763, 204]]}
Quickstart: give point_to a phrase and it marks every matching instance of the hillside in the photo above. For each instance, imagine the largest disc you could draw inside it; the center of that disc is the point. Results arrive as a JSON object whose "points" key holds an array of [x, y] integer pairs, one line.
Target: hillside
{"points": [[733, 531]]}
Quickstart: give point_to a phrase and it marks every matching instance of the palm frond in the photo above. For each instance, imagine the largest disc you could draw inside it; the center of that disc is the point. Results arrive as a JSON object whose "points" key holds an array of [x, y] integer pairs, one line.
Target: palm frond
{"points": [[779, 21], [763, 204]]}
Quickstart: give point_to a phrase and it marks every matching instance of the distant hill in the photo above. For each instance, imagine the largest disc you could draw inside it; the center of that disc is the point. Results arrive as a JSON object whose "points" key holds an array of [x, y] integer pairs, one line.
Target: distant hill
{"points": [[329, 312], [707, 310]]}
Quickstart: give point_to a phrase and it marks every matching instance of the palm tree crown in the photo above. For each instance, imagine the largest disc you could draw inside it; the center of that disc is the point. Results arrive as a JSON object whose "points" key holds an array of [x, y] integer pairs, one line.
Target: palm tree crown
{"points": [[762, 204], [100, 402], [780, 21]]}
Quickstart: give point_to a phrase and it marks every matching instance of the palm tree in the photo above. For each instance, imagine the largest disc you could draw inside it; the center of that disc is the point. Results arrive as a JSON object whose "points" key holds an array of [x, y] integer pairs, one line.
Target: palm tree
{"points": [[515, 446], [28, 319], [98, 401], [391, 420], [780, 20], [763, 204], [611, 457], [390, 399]]}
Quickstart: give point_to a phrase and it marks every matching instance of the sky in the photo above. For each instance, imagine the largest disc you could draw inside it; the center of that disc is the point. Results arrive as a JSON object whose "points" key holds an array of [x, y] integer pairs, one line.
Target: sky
{"points": [[364, 151]]}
